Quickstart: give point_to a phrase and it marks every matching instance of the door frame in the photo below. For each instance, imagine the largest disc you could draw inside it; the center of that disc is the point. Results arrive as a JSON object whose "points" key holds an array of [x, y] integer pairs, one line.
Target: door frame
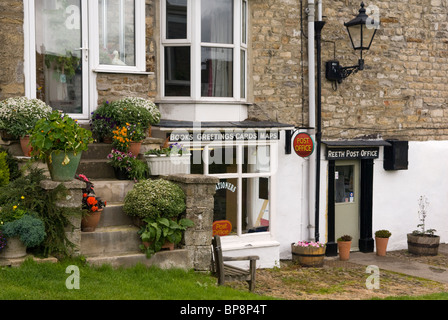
{"points": [[366, 242], [88, 82]]}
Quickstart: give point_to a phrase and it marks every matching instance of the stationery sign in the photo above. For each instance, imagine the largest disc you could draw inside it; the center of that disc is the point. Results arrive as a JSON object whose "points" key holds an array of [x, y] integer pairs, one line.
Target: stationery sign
{"points": [[303, 145], [221, 227]]}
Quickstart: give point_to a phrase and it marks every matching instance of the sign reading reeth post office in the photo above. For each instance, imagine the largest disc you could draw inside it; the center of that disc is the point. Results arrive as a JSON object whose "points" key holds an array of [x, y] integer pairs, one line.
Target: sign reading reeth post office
{"points": [[352, 153]]}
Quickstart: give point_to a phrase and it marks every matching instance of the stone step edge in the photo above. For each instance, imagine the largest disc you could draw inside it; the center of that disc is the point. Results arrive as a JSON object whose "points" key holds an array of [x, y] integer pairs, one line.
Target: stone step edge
{"points": [[163, 259]]}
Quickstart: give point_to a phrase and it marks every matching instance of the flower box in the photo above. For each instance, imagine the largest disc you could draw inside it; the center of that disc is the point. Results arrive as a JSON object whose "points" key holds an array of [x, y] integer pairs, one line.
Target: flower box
{"points": [[163, 164]]}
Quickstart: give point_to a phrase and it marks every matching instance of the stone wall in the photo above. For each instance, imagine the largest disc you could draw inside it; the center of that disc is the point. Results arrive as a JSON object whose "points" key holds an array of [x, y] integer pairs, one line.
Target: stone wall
{"points": [[11, 49], [402, 93], [199, 191]]}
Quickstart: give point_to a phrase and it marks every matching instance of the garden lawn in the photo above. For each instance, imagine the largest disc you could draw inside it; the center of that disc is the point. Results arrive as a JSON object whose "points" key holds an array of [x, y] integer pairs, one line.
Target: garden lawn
{"points": [[47, 281]]}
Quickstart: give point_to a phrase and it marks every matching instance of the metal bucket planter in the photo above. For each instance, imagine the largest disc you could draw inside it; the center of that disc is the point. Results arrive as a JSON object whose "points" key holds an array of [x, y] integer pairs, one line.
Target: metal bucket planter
{"points": [[308, 256], [426, 245], [63, 165]]}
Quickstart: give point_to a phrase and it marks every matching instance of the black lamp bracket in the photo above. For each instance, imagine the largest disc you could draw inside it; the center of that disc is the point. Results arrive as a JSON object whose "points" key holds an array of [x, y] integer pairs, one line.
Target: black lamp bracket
{"points": [[335, 72]]}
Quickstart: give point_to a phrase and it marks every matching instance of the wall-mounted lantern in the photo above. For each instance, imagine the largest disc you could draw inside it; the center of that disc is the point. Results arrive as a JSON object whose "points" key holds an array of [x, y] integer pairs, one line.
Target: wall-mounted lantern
{"points": [[361, 31]]}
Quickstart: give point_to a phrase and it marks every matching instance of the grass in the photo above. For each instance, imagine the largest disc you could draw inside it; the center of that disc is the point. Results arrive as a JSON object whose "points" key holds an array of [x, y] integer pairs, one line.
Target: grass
{"points": [[47, 281]]}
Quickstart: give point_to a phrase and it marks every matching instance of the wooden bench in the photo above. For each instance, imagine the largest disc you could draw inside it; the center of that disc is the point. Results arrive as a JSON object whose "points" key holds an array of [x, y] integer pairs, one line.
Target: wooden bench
{"points": [[225, 272]]}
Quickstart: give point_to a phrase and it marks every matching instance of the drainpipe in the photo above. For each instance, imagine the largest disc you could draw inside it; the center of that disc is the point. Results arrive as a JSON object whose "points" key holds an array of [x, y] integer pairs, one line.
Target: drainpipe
{"points": [[312, 116], [319, 24]]}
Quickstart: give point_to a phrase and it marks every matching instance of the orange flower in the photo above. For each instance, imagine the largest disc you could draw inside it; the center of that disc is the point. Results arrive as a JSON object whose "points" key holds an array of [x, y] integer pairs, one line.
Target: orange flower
{"points": [[84, 195], [94, 208], [92, 201]]}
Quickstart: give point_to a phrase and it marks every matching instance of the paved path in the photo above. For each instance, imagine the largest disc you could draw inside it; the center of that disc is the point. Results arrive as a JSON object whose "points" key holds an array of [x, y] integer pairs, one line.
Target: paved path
{"points": [[403, 266]]}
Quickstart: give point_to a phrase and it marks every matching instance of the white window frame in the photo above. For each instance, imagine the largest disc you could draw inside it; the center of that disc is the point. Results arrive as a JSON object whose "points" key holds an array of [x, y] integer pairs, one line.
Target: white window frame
{"points": [[91, 50], [239, 175], [140, 41], [193, 40]]}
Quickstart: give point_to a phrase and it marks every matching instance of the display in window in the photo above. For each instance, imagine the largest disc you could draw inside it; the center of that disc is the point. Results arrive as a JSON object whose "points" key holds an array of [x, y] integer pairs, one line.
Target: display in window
{"points": [[344, 187]]}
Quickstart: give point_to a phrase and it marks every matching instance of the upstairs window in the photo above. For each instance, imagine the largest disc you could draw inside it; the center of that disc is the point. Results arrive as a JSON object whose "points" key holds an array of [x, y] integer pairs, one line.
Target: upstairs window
{"points": [[204, 49]]}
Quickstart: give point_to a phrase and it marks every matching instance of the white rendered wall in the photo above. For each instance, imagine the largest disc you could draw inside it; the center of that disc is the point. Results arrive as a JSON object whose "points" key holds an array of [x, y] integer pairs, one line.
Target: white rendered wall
{"points": [[396, 193]]}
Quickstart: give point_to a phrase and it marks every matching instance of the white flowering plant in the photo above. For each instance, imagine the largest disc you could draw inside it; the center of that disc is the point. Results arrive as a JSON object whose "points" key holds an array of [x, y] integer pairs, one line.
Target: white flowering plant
{"points": [[18, 115], [315, 244], [135, 110]]}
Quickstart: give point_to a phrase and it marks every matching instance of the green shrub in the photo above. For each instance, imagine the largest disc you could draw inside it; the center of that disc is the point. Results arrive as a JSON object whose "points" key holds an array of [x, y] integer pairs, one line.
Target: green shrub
{"points": [[29, 229], [4, 169], [383, 234], [154, 198], [345, 238]]}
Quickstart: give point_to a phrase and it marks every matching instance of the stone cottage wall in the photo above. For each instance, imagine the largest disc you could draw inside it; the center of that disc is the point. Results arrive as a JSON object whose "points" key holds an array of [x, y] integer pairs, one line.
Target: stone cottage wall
{"points": [[402, 93], [11, 49]]}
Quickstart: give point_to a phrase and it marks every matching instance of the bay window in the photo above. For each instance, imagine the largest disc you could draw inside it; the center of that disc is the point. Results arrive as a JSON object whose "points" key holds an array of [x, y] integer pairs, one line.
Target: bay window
{"points": [[204, 55]]}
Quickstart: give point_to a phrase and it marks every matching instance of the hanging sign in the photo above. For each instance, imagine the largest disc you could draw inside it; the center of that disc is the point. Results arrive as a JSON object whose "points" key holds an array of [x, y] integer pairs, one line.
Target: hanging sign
{"points": [[303, 145], [221, 227]]}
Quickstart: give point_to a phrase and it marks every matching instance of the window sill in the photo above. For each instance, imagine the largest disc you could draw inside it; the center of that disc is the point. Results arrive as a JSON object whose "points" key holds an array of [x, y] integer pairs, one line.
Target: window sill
{"points": [[122, 71]]}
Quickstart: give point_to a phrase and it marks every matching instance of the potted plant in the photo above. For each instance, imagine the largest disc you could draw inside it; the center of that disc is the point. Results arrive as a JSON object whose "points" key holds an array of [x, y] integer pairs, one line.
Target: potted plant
{"points": [[91, 204], [18, 116], [126, 165], [25, 232], [135, 110], [169, 160], [344, 245], [423, 241], [308, 253], [59, 141], [102, 123], [155, 206], [128, 138], [381, 240], [161, 233]]}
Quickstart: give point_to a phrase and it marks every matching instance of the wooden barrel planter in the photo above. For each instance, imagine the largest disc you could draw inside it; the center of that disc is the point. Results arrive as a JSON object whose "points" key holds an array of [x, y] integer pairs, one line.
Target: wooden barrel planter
{"points": [[308, 256], [423, 245]]}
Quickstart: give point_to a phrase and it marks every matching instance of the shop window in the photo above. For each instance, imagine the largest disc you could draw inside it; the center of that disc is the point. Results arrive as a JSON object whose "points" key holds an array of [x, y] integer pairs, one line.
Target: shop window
{"points": [[243, 192]]}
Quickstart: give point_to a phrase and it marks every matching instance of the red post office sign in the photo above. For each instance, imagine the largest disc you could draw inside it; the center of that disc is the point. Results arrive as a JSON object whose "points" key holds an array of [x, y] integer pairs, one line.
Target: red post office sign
{"points": [[303, 144], [221, 227]]}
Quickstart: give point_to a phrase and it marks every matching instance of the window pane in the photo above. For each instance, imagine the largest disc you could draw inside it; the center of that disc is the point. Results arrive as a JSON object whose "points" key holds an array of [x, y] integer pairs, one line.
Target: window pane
{"points": [[243, 75], [217, 21], [176, 19], [344, 188], [217, 72], [177, 71], [243, 22], [117, 32], [254, 207], [58, 57]]}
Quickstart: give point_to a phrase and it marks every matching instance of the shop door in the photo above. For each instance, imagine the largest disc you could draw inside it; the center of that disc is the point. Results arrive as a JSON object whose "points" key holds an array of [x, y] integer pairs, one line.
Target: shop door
{"points": [[347, 200], [62, 55]]}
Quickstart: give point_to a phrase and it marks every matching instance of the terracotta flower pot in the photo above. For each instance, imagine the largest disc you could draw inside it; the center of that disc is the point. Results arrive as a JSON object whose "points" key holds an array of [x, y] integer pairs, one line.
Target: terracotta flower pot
{"points": [[344, 250], [26, 147], [135, 147], [381, 246], [91, 220]]}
